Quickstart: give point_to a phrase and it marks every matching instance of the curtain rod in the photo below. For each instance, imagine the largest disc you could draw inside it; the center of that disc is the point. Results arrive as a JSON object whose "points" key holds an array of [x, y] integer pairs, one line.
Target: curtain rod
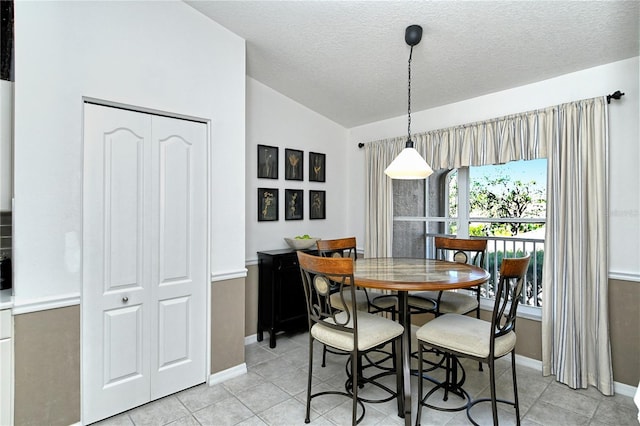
{"points": [[615, 95]]}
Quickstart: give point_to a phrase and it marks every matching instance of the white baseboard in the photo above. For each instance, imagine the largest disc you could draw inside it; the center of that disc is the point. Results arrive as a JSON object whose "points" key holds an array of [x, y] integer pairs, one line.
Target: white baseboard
{"points": [[529, 362], [250, 339], [229, 373], [619, 388], [623, 389]]}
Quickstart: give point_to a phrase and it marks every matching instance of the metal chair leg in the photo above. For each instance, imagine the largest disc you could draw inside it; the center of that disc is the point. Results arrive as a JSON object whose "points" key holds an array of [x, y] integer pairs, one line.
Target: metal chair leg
{"points": [[324, 355], [420, 391], [492, 381], [515, 387], [448, 379], [307, 419], [354, 361], [397, 363], [478, 316]]}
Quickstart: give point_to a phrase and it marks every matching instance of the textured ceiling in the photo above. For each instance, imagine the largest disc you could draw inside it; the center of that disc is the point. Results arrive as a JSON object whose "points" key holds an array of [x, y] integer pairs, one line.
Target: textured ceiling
{"points": [[347, 60]]}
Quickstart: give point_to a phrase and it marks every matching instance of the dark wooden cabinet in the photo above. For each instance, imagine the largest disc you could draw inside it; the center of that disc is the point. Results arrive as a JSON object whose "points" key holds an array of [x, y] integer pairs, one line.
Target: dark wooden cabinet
{"points": [[281, 299]]}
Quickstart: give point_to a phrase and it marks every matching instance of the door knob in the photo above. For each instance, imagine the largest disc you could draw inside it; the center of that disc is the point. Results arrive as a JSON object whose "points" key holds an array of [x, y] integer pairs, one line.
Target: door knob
{"points": [[125, 299]]}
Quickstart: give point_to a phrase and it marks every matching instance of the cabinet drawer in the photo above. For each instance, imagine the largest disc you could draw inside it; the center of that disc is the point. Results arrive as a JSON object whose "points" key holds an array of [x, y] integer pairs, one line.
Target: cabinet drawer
{"points": [[5, 324]]}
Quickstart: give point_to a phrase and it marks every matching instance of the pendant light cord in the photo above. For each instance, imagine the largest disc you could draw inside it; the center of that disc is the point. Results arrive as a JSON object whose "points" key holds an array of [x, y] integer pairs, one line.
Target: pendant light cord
{"points": [[409, 101]]}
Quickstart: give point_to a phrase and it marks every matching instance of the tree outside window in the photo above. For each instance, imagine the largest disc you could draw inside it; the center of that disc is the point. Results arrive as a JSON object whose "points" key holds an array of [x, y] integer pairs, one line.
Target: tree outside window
{"points": [[504, 203]]}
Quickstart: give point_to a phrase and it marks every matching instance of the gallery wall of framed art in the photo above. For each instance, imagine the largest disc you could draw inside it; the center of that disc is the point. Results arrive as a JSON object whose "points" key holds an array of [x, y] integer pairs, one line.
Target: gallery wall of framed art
{"points": [[293, 203]]}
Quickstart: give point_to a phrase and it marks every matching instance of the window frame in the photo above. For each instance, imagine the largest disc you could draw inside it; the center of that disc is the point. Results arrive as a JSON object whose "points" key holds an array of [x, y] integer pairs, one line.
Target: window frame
{"points": [[462, 222]]}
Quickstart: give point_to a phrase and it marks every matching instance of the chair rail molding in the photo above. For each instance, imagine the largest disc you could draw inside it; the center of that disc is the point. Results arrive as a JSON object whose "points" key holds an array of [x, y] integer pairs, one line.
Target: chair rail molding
{"points": [[624, 276], [228, 275], [22, 306]]}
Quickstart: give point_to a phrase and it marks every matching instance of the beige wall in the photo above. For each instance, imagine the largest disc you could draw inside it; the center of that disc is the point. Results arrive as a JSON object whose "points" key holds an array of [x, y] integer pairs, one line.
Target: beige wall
{"points": [[624, 314], [251, 301], [624, 329], [227, 324], [47, 367], [47, 355]]}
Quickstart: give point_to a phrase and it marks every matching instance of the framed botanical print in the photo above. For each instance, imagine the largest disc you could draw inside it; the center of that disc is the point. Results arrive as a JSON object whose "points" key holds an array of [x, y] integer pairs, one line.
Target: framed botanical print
{"points": [[316, 167], [267, 204], [317, 208], [267, 162], [293, 204], [293, 164]]}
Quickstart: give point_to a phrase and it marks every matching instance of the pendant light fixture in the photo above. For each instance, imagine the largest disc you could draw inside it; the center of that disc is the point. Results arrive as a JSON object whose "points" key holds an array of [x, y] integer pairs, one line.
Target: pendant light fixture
{"points": [[409, 164]]}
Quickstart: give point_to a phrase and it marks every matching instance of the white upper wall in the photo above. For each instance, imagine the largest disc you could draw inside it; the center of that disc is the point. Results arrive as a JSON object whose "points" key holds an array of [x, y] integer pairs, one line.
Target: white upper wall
{"points": [[624, 131], [160, 55], [275, 120]]}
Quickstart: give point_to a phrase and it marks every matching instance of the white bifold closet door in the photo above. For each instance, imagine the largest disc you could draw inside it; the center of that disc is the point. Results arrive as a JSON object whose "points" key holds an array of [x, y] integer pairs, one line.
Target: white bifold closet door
{"points": [[144, 258]]}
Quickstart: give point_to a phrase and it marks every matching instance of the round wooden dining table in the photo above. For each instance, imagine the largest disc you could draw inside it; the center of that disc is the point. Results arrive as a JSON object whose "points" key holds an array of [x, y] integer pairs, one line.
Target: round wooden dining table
{"points": [[403, 275]]}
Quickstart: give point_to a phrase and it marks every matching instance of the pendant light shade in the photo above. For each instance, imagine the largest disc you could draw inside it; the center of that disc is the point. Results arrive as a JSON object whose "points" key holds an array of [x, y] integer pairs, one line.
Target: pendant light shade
{"points": [[409, 164]]}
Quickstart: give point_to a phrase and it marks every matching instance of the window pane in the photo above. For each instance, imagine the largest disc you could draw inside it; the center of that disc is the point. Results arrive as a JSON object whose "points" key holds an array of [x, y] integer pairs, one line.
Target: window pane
{"points": [[514, 190], [408, 200], [408, 197], [514, 196], [452, 205], [504, 203], [408, 239]]}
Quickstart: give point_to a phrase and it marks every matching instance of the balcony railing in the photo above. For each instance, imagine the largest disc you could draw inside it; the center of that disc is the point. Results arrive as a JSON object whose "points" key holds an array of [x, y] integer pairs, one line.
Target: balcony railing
{"points": [[499, 248]]}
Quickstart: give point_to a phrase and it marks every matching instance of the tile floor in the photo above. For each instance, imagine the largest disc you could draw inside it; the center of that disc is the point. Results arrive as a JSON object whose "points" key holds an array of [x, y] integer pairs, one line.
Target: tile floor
{"points": [[273, 392]]}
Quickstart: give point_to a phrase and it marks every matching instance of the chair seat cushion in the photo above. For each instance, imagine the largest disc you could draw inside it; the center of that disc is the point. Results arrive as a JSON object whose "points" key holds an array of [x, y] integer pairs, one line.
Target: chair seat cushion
{"points": [[464, 334], [385, 302], [373, 330], [451, 302], [422, 301], [362, 304]]}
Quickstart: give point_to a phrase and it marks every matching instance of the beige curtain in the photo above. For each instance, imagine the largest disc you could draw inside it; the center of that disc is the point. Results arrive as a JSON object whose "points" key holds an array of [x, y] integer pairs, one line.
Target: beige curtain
{"points": [[575, 322], [379, 198], [497, 141], [573, 137], [504, 139]]}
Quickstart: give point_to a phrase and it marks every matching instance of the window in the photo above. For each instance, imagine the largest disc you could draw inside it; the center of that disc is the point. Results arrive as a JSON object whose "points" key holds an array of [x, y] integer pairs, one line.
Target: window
{"points": [[505, 204]]}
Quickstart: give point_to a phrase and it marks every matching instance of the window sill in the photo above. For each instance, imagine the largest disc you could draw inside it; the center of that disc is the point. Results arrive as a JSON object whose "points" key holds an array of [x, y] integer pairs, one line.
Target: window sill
{"points": [[528, 312]]}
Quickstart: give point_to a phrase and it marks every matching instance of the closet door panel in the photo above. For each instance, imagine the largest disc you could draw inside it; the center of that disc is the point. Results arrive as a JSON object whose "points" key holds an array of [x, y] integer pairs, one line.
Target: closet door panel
{"points": [[116, 262], [179, 158], [144, 258]]}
